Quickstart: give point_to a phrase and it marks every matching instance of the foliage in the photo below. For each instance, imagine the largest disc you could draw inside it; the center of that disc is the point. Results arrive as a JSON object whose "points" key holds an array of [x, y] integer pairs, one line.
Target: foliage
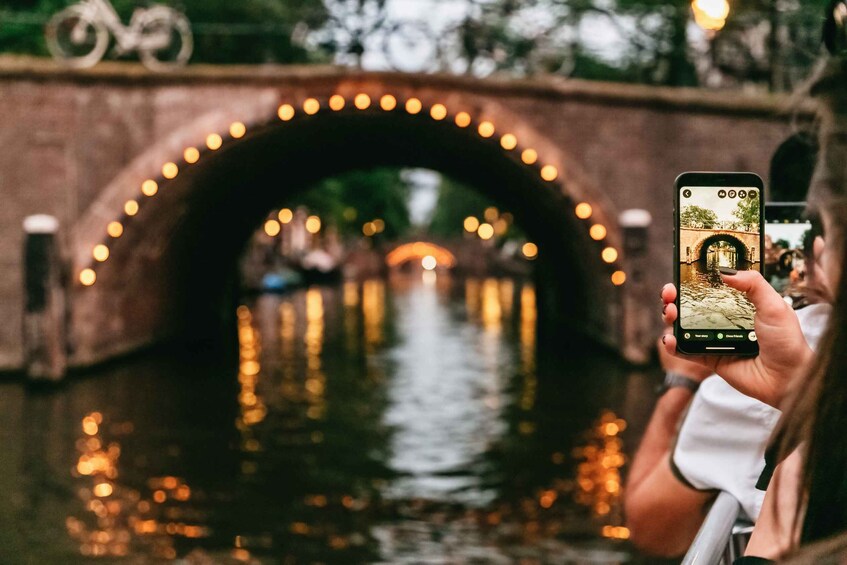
{"points": [[694, 216], [747, 211], [350, 200], [455, 203]]}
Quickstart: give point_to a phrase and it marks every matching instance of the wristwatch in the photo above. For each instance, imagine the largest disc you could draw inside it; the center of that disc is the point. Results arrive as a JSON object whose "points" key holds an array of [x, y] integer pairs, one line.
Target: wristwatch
{"points": [[673, 380]]}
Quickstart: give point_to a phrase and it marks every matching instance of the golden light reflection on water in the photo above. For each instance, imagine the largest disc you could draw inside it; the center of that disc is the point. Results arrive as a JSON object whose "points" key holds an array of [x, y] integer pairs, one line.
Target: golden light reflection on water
{"points": [[373, 312], [599, 484], [117, 519], [492, 313], [315, 384]]}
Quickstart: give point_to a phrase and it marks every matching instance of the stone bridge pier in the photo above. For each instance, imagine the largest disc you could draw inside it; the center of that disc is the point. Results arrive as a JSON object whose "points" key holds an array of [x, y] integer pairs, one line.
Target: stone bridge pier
{"points": [[158, 180]]}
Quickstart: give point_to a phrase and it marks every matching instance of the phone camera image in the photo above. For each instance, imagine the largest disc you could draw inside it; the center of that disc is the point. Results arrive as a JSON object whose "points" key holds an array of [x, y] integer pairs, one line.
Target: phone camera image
{"points": [[717, 228]]}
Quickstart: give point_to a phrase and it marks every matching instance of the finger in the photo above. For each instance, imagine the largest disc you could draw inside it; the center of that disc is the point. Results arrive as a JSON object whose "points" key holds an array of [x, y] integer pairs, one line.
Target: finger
{"points": [[669, 313], [668, 293], [669, 342], [768, 303]]}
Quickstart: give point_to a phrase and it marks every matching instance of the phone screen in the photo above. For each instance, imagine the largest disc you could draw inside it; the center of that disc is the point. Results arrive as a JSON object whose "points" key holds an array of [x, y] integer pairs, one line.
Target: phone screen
{"points": [[719, 226], [786, 232]]}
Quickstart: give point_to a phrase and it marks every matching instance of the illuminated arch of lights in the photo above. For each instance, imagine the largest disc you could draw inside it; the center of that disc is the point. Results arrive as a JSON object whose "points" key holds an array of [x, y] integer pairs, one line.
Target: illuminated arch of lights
{"points": [[417, 251], [337, 103]]}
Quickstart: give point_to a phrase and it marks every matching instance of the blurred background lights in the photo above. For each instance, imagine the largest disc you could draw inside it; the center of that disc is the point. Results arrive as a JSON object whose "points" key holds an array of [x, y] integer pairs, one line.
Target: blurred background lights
{"points": [[170, 170], [100, 252], [710, 15], [609, 255], [311, 106], [485, 231], [115, 229], [471, 224], [508, 142], [379, 225], [336, 102], [237, 130], [149, 187], [272, 228], [214, 141], [191, 155], [529, 250], [486, 129], [285, 112], [413, 105], [438, 112], [491, 213], [387, 102], [131, 208], [583, 210], [313, 224], [87, 277], [529, 156], [429, 263], [463, 119], [285, 215], [362, 101], [618, 278], [549, 172], [597, 232], [368, 229]]}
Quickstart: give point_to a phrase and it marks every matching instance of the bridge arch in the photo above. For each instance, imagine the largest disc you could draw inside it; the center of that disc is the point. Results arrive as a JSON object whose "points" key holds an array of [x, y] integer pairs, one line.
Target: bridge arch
{"points": [[155, 252], [701, 248]]}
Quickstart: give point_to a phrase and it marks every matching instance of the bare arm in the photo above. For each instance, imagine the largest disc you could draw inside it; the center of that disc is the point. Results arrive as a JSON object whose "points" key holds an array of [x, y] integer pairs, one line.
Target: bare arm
{"points": [[663, 515]]}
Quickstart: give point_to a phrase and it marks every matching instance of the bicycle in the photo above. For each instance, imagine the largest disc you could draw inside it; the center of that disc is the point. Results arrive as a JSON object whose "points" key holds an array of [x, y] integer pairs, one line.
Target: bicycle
{"points": [[78, 36]]}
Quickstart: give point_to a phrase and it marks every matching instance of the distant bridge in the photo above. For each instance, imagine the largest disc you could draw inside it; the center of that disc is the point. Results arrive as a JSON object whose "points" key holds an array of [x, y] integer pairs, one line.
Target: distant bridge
{"points": [[158, 180]]}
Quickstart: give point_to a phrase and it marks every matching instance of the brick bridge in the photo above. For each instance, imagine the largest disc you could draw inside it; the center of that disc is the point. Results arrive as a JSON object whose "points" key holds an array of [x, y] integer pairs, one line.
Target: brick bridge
{"points": [[695, 242], [171, 173]]}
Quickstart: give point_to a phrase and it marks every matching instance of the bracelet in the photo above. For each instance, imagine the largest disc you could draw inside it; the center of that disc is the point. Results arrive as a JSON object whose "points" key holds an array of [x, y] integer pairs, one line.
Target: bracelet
{"points": [[674, 380]]}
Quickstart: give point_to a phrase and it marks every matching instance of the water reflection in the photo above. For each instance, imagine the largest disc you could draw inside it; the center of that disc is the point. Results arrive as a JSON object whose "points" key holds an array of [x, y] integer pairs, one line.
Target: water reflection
{"points": [[383, 421]]}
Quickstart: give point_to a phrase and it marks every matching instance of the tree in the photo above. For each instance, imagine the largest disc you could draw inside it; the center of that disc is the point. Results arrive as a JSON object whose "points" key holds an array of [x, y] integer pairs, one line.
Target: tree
{"points": [[747, 211], [351, 199], [696, 217]]}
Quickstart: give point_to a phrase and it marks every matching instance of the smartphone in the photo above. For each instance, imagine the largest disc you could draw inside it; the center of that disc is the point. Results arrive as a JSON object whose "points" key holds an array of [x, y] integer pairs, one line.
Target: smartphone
{"points": [[718, 223], [787, 240]]}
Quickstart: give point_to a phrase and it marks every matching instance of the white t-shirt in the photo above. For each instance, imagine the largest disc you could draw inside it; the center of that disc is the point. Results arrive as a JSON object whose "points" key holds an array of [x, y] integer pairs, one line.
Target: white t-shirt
{"points": [[722, 440]]}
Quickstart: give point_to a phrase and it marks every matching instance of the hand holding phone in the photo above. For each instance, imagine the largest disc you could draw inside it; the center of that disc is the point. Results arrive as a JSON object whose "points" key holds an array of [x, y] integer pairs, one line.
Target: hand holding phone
{"points": [[718, 227]]}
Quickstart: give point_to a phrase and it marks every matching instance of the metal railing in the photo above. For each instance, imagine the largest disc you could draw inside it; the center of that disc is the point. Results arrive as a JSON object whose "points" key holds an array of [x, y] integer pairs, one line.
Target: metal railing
{"points": [[713, 541]]}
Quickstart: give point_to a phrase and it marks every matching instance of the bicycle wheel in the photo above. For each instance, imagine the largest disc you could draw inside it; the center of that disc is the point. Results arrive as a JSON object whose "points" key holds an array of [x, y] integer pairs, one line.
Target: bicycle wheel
{"points": [[166, 41], [75, 39]]}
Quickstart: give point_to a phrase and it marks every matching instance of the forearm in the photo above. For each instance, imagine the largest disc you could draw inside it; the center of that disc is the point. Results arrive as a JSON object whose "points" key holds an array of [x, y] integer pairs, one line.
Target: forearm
{"points": [[661, 430]]}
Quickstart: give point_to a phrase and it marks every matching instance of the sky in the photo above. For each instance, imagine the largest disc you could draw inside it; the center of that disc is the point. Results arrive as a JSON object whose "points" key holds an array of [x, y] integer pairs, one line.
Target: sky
{"points": [[707, 197]]}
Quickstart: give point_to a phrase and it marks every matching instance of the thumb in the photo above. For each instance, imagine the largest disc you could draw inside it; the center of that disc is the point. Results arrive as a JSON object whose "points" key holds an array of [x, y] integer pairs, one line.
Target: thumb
{"points": [[768, 302]]}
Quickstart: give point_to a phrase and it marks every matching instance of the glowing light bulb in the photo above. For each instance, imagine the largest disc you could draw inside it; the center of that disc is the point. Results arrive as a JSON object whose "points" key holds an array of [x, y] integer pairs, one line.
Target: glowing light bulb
{"points": [[115, 229], [237, 130], [583, 210], [170, 170], [362, 101], [285, 112], [272, 228], [191, 155], [609, 255], [429, 263], [508, 142], [549, 172], [87, 277], [438, 112], [336, 102], [486, 129], [214, 141], [100, 252], [286, 215], [597, 232], [149, 187], [463, 119], [413, 105], [311, 106], [387, 102], [618, 278], [529, 156], [471, 224], [131, 208], [485, 231], [530, 250]]}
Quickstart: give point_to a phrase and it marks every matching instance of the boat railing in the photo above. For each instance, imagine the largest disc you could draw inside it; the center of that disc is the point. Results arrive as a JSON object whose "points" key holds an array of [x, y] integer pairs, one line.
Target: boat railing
{"points": [[722, 537]]}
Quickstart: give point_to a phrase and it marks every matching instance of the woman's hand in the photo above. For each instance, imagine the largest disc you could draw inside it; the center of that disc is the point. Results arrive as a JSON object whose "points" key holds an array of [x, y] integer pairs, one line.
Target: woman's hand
{"points": [[783, 352]]}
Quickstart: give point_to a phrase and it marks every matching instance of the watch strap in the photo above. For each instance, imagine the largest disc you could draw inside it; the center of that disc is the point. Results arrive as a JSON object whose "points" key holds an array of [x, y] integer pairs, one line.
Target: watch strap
{"points": [[675, 380]]}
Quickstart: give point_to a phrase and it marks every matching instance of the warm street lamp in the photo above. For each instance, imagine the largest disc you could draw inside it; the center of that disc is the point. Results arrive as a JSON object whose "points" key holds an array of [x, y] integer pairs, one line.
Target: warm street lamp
{"points": [[710, 15]]}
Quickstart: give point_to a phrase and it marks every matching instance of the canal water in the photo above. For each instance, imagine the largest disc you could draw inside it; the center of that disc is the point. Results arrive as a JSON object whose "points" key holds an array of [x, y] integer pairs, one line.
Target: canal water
{"points": [[409, 420], [705, 301]]}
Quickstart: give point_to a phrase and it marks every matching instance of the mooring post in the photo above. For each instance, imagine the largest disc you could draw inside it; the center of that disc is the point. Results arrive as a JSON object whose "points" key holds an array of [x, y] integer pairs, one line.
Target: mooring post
{"points": [[44, 332], [637, 337]]}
